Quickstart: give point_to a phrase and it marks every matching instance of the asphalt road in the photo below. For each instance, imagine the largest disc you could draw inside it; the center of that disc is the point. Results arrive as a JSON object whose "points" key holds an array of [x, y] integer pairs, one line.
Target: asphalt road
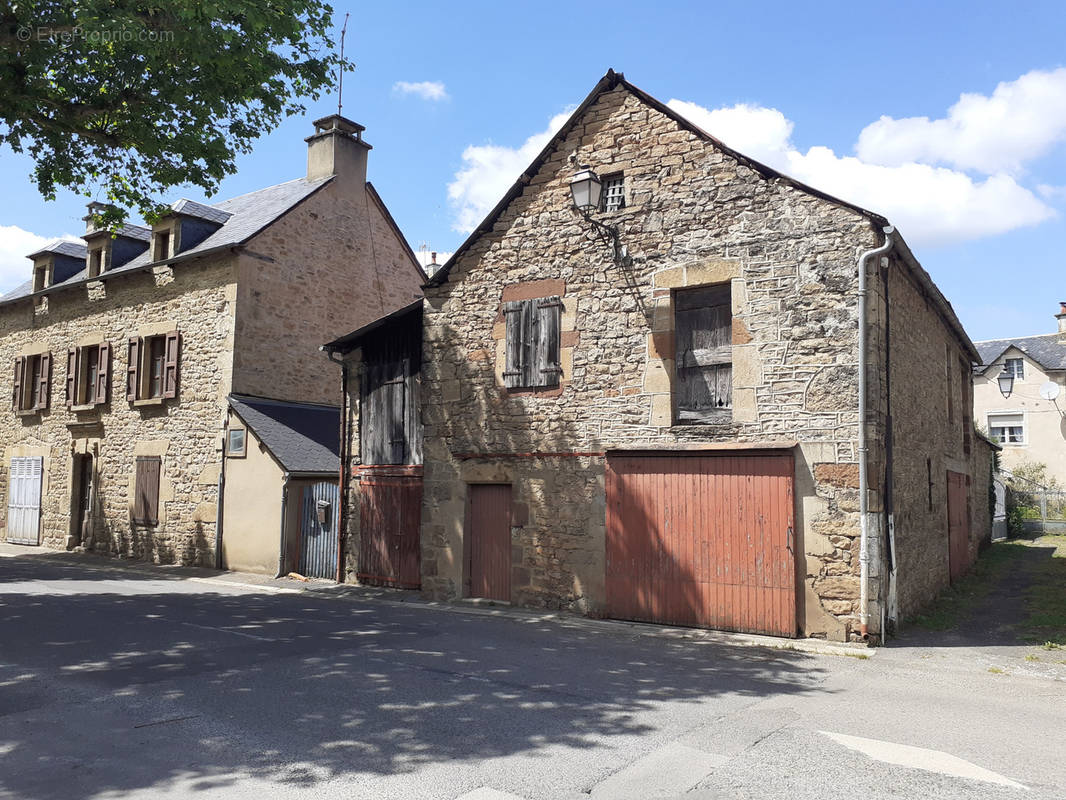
{"points": [[135, 684]]}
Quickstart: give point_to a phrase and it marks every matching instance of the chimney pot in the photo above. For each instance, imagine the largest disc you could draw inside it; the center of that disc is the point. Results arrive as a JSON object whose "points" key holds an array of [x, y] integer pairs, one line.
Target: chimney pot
{"points": [[434, 257], [337, 148], [1061, 316]]}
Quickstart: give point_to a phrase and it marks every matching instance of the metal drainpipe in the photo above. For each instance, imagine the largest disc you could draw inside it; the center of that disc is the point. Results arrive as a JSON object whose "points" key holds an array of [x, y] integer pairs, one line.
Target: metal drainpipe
{"points": [[342, 479], [219, 508], [281, 540], [864, 525]]}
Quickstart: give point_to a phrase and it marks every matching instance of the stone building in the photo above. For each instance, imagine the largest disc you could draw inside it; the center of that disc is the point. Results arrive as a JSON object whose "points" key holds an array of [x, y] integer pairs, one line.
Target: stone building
{"points": [[1018, 397], [639, 392], [125, 352]]}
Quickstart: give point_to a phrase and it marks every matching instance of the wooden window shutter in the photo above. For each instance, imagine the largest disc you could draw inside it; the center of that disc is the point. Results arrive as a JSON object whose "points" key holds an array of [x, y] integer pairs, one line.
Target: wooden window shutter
{"points": [[146, 491], [103, 374], [72, 376], [44, 393], [171, 364], [513, 367], [133, 368], [16, 392], [703, 327], [547, 370]]}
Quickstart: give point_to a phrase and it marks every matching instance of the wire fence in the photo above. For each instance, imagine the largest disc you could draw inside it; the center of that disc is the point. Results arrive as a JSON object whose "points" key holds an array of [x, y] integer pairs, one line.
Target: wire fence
{"points": [[1033, 508]]}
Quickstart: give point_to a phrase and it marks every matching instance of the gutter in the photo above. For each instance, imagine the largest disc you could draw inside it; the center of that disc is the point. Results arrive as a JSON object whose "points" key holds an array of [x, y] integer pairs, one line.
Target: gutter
{"points": [[864, 512]]}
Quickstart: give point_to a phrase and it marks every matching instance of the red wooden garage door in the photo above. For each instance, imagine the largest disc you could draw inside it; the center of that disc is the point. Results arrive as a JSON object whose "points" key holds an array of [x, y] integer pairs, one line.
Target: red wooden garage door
{"points": [[702, 540]]}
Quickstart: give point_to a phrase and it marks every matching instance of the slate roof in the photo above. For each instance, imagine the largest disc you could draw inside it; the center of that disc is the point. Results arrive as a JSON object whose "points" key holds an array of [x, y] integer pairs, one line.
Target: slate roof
{"points": [[1049, 350], [138, 232], [245, 216], [304, 438], [190, 208], [62, 247]]}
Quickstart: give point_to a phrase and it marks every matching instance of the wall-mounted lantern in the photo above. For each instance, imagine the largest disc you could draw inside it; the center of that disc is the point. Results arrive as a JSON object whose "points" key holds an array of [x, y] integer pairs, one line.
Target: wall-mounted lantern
{"points": [[585, 188], [1006, 383]]}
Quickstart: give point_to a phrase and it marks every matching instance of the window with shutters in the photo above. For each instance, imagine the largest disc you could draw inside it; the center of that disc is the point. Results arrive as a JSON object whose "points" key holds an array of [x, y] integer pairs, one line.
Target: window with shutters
{"points": [[703, 345], [31, 390], [153, 367], [89, 375], [146, 491], [532, 343]]}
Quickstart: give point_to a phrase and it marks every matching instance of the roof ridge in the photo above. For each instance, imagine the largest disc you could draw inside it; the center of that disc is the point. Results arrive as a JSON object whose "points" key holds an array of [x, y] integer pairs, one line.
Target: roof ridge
{"points": [[1017, 338]]}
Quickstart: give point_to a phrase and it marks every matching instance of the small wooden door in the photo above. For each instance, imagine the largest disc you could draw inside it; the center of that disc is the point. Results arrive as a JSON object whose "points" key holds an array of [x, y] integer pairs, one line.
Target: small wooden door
{"points": [[958, 526], [390, 520], [24, 500], [489, 541]]}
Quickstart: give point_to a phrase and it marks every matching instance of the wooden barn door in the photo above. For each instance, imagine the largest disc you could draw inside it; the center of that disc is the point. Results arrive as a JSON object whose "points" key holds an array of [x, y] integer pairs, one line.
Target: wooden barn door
{"points": [[489, 541], [702, 540], [390, 526], [958, 526]]}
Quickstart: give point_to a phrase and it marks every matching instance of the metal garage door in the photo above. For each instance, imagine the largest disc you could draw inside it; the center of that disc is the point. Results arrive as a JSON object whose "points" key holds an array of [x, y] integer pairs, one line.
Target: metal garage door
{"points": [[702, 540], [24, 500], [318, 530]]}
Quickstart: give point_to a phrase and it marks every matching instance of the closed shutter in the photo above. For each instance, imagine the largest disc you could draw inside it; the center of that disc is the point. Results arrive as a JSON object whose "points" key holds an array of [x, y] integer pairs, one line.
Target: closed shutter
{"points": [[703, 341], [513, 371], [547, 370], [103, 374], [72, 376], [146, 491], [133, 368], [383, 413], [170, 365], [16, 391], [44, 391]]}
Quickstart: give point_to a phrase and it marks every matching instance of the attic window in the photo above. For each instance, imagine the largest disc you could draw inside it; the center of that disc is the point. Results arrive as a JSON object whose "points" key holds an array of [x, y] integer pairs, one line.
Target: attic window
{"points": [[40, 277], [96, 262], [1015, 367], [614, 196], [162, 246]]}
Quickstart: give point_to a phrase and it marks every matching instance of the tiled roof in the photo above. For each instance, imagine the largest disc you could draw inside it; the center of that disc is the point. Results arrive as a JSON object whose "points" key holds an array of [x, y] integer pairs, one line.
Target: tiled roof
{"points": [[62, 247], [244, 216], [191, 208], [304, 438], [1049, 350]]}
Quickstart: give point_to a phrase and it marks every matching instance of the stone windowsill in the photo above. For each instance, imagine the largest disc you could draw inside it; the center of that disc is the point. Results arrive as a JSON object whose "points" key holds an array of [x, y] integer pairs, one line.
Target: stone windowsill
{"points": [[27, 412], [85, 407], [149, 401]]}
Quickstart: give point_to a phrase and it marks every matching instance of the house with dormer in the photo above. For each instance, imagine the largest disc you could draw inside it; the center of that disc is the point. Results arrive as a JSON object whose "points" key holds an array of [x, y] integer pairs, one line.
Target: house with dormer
{"points": [[162, 379]]}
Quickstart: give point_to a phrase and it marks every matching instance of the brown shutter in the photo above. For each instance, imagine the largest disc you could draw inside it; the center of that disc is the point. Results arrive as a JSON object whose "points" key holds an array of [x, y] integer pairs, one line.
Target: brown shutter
{"points": [[170, 365], [703, 325], [146, 491], [546, 370], [44, 393], [103, 374], [72, 376], [16, 392], [512, 370], [133, 368]]}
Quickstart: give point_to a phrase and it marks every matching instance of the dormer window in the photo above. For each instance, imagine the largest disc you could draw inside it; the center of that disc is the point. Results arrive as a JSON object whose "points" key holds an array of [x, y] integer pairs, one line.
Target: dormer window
{"points": [[40, 276], [162, 246], [96, 262]]}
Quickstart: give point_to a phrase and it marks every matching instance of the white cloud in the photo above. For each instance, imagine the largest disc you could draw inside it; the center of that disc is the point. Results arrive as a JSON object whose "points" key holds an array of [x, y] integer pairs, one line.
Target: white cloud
{"points": [[15, 245], [1021, 120], [760, 133], [488, 172], [427, 90]]}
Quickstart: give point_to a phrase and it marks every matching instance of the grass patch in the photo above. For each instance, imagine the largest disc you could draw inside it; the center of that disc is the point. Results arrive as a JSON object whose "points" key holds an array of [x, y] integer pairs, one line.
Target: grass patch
{"points": [[1046, 598], [996, 671], [956, 601]]}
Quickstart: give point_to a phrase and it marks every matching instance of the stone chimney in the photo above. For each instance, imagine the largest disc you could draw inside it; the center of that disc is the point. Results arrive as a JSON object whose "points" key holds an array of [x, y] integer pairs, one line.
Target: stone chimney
{"points": [[337, 148], [1061, 316]]}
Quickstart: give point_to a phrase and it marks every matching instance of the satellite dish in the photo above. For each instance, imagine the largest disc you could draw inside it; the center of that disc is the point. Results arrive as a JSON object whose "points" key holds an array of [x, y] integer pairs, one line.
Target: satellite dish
{"points": [[1049, 391]]}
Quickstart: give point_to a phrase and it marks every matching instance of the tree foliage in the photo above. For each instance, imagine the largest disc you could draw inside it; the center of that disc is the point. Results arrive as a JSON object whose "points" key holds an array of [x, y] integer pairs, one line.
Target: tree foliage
{"points": [[121, 99]]}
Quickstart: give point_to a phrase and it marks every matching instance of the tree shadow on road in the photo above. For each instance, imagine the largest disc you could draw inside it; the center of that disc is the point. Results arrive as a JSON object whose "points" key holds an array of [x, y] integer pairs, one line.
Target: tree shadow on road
{"points": [[117, 687]]}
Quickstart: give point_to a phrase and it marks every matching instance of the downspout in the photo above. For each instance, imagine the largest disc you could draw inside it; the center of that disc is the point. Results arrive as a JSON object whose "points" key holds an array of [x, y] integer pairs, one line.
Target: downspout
{"points": [[219, 507], [281, 537], [864, 524], [342, 480]]}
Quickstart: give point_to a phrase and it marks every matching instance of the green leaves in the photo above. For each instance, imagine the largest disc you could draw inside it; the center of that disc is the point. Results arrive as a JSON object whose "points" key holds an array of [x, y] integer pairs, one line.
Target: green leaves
{"points": [[127, 99]]}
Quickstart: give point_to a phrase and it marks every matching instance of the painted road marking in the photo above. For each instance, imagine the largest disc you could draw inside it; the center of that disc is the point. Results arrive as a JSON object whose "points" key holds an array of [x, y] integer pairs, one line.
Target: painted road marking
{"points": [[670, 770], [905, 755]]}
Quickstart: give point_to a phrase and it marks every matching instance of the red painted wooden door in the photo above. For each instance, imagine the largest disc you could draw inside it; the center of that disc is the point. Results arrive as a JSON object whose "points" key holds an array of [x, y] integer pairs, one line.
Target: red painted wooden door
{"points": [[489, 541], [958, 526], [390, 526], [702, 540]]}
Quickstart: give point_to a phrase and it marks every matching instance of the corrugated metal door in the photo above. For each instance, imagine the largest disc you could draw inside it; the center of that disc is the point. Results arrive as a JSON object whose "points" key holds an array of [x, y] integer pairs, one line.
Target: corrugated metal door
{"points": [[958, 525], [390, 524], [318, 530], [702, 540], [489, 541], [24, 500]]}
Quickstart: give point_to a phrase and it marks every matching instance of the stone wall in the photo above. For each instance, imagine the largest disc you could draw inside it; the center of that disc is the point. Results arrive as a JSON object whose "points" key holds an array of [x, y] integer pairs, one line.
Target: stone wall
{"points": [[197, 298], [694, 216], [930, 394], [334, 263]]}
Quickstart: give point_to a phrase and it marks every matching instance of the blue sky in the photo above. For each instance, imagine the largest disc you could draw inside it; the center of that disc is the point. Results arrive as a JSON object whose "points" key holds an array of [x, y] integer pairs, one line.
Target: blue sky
{"points": [[949, 118]]}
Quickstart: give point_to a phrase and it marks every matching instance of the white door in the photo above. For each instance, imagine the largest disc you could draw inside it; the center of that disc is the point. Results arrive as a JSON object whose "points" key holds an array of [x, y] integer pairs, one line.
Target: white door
{"points": [[24, 501]]}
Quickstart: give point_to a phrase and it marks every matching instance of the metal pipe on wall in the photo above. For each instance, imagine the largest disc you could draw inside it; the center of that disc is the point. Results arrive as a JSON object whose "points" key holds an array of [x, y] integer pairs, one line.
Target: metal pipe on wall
{"points": [[281, 539]]}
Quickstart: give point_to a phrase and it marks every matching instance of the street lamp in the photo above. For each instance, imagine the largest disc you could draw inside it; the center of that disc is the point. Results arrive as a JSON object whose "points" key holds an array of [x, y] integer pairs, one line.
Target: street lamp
{"points": [[585, 188], [1006, 382]]}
